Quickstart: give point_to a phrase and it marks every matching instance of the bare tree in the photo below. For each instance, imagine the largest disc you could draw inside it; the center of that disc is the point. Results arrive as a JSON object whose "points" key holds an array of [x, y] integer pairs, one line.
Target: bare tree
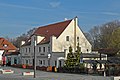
{"points": [[101, 35]]}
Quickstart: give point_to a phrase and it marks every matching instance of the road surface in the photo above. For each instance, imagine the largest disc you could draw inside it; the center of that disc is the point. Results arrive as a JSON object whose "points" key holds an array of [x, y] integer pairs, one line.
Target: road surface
{"points": [[42, 75]]}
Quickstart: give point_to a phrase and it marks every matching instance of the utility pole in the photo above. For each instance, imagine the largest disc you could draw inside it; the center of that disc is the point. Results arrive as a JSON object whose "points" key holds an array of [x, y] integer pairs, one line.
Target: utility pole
{"points": [[35, 43], [100, 60]]}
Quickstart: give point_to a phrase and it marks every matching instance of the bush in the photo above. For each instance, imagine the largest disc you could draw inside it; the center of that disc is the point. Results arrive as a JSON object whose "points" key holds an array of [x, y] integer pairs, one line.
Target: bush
{"points": [[17, 65], [43, 68], [29, 67]]}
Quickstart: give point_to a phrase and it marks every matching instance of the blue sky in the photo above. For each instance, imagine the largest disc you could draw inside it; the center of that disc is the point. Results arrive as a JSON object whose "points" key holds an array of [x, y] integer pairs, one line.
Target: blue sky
{"points": [[19, 16]]}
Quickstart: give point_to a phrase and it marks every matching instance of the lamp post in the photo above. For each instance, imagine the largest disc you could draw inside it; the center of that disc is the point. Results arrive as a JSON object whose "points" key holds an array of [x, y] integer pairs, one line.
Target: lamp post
{"points": [[100, 60], [35, 43], [49, 55]]}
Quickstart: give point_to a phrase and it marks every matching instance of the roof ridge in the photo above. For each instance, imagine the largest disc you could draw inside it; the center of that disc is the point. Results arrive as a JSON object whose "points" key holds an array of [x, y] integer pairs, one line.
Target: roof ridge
{"points": [[54, 23]]}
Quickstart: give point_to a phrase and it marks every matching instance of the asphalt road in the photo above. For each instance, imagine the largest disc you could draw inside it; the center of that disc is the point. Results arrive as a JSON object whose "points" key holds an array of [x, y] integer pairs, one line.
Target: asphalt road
{"points": [[41, 75]]}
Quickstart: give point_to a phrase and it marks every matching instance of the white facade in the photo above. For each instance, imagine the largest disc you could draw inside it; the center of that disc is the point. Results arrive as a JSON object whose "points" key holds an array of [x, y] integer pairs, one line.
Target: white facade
{"points": [[57, 46], [60, 44], [1, 52]]}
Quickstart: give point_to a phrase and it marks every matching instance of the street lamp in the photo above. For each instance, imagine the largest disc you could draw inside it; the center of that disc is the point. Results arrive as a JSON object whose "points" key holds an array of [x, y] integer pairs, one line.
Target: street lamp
{"points": [[49, 55], [35, 43]]}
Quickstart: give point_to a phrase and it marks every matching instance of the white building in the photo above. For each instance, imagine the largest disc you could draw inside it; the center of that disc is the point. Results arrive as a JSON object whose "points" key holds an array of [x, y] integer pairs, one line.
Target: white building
{"points": [[54, 39]]}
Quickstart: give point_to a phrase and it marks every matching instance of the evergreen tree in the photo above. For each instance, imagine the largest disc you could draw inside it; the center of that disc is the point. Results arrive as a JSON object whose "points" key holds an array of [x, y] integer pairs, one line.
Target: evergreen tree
{"points": [[77, 54], [73, 59], [70, 59]]}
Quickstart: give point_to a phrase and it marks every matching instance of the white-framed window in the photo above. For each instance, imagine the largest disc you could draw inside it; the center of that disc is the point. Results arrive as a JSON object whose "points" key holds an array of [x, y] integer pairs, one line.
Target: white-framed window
{"points": [[67, 38], [26, 50], [43, 62], [40, 62], [48, 49], [29, 50], [39, 49], [27, 61], [43, 49], [55, 63]]}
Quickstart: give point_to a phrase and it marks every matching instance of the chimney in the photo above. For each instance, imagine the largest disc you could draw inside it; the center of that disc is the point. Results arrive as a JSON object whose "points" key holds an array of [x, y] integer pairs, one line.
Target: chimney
{"points": [[76, 20], [75, 25], [65, 19]]}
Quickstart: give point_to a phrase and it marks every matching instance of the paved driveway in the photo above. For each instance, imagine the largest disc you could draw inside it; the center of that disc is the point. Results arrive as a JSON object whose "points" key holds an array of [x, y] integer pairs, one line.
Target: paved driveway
{"points": [[41, 75]]}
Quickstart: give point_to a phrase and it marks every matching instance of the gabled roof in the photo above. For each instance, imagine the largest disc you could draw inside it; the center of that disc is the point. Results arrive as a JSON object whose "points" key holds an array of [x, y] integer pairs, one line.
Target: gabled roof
{"points": [[6, 45], [52, 29]]}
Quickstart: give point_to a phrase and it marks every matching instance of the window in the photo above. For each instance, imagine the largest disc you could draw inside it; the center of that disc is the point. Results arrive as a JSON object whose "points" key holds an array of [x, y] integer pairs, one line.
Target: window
{"points": [[60, 63], [29, 50], [48, 49], [39, 49], [55, 63], [77, 39], [23, 61], [43, 62], [26, 61], [29, 61], [26, 49], [48, 62], [40, 62], [67, 38], [5, 45], [43, 49], [22, 50], [87, 50], [15, 61]]}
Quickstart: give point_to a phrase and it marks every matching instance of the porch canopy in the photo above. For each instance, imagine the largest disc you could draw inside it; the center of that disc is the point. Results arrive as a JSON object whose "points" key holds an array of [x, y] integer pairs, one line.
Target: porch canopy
{"points": [[93, 55]]}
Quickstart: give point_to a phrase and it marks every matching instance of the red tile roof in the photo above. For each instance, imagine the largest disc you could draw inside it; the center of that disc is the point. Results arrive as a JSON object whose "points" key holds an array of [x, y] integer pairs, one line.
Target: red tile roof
{"points": [[6, 45], [49, 30], [52, 29]]}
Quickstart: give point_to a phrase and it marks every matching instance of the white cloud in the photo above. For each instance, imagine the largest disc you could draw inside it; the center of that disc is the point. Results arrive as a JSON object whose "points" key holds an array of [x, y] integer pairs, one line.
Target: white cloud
{"points": [[21, 6], [110, 13], [54, 4], [101, 13]]}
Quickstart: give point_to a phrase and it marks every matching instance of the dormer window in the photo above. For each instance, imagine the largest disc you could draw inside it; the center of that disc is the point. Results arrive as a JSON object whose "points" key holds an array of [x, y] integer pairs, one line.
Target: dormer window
{"points": [[5, 45]]}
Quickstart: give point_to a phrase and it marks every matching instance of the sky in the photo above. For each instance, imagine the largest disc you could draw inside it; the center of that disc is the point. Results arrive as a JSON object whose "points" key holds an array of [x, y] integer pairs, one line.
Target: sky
{"points": [[19, 16]]}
